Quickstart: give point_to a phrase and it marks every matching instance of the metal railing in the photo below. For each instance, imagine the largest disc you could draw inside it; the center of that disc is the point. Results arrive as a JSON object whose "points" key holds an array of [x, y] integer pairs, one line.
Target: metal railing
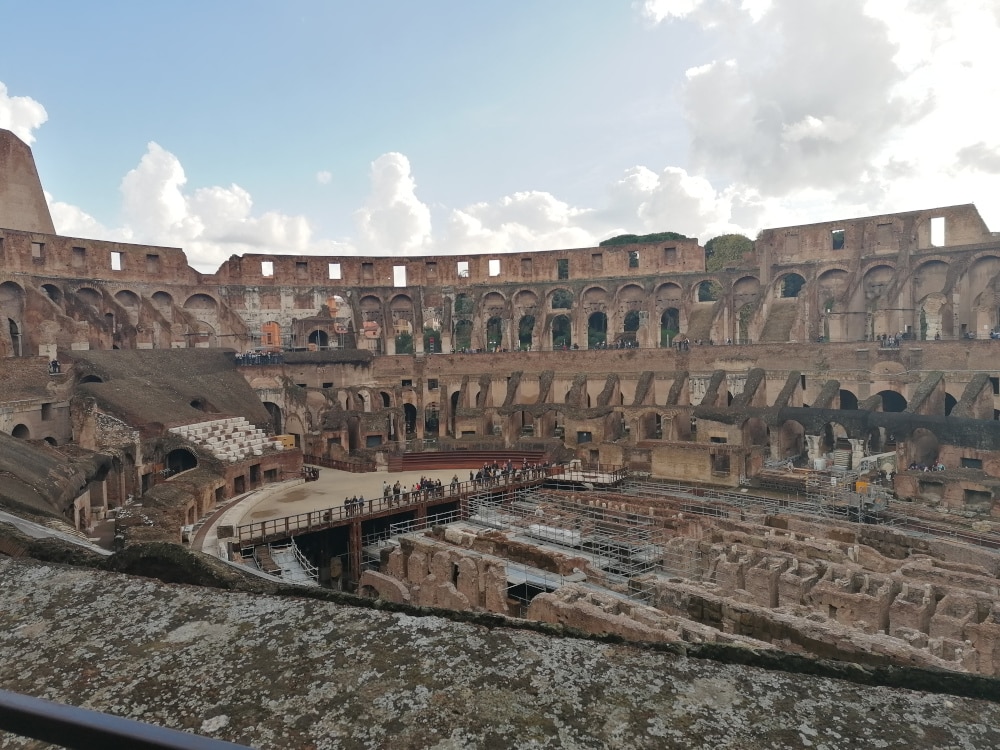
{"points": [[319, 519], [83, 729]]}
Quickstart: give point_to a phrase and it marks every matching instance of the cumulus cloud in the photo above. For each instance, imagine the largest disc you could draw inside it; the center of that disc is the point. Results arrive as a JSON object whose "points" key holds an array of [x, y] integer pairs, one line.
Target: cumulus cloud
{"points": [[21, 115], [530, 220], [210, 224], [323, 177], [394, 219]]}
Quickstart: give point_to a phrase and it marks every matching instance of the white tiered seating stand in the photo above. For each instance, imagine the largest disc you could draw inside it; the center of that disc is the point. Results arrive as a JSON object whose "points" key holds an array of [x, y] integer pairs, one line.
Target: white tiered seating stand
{"points": [[231, 439]]}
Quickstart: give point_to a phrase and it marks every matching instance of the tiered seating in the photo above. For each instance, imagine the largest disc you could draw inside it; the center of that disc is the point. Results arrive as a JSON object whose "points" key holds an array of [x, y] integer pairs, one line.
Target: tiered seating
{"points": [[232, 439]]}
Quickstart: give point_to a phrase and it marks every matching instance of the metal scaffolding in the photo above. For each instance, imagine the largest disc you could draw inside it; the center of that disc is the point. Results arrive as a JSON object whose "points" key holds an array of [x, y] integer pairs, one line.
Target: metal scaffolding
{"points": [[623, 545]]}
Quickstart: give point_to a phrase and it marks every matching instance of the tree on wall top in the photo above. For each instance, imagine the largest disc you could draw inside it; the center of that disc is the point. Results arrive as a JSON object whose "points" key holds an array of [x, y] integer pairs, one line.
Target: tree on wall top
{"points": [[726, 250]]}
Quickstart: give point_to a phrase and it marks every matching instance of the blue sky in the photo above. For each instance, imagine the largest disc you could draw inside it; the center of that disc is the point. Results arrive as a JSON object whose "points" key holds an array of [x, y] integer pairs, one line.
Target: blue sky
{"points": [[451, 127]]}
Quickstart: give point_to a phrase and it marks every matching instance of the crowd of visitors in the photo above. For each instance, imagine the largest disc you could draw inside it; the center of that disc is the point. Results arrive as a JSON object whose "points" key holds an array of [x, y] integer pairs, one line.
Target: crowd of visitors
{"points": [[428, 488]]}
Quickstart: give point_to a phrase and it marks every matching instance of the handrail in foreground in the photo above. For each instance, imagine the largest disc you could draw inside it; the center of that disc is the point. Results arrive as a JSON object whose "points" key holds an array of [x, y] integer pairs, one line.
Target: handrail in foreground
{"points": [[84, 729]]}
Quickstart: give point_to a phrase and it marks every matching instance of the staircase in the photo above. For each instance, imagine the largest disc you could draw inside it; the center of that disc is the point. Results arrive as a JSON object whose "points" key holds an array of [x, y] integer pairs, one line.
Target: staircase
{"points": [[780, 319], [699, 327], [232, 439], [842, 458]]}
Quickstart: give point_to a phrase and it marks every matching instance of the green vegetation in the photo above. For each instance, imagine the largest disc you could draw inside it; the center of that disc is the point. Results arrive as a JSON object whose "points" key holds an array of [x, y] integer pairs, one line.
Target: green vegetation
{"points": [[432, 339], [636, 239], [404, 343], [726, 250]]}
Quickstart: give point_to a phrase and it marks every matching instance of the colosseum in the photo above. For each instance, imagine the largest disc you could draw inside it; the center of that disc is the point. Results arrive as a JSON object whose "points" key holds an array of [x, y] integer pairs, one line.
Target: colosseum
{"points": [[794, 458]]}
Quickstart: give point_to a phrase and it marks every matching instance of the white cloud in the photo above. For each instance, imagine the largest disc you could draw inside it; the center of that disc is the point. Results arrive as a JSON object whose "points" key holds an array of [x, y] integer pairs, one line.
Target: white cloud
{"points": [[323, 177], [530, 220], [394, 220], [209, 224], [664, 10], [21, 115]]}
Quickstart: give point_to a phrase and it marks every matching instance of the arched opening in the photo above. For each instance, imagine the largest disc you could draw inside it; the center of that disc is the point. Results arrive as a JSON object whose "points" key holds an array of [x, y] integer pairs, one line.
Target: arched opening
{"points": [[949, 403], [201, 404], [53, 293], [452, 412], [181, 459], [410, 420], [848, 401], [353, 433], [630, 327], [404, 342], [709, 291], [792, 440], [51, 441], [892, 401], [275, 413], [562, 299], [524, 332], [743, 323], [15, 337], [562, 332], [834, 438], [431, 420], [791, 285], [597, 330], [90, 379], [494, 333], [874, 441], [21, 431], [463, 335], [670, 325], [386, 399], [432, 340], [523, 423], [320, 339], [756, 432], [922, 448]]}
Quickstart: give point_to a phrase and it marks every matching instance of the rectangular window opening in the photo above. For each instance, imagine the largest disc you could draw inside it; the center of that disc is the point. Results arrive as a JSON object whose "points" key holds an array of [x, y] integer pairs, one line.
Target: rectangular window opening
{"points": [[802, 378], [597, 261], [399, 276], [267, 268], [333, 271], [368, 272], [406, 382], [996, 385], [670, 256], [462, 269], [837, 239], [152, 263], [494, 266], [46, 412], [937, 231], [583, 436], [432, 384], [431, 269], [301, 269], [562, 268], [633, 258], [37, 250], [79, 257], [116, 261], [526, 266], [972, 463]]}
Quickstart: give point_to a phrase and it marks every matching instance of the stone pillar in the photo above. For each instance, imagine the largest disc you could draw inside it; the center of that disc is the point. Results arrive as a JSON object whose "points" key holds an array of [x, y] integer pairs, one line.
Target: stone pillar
{"points": [[812, 446], [857, 451]]}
